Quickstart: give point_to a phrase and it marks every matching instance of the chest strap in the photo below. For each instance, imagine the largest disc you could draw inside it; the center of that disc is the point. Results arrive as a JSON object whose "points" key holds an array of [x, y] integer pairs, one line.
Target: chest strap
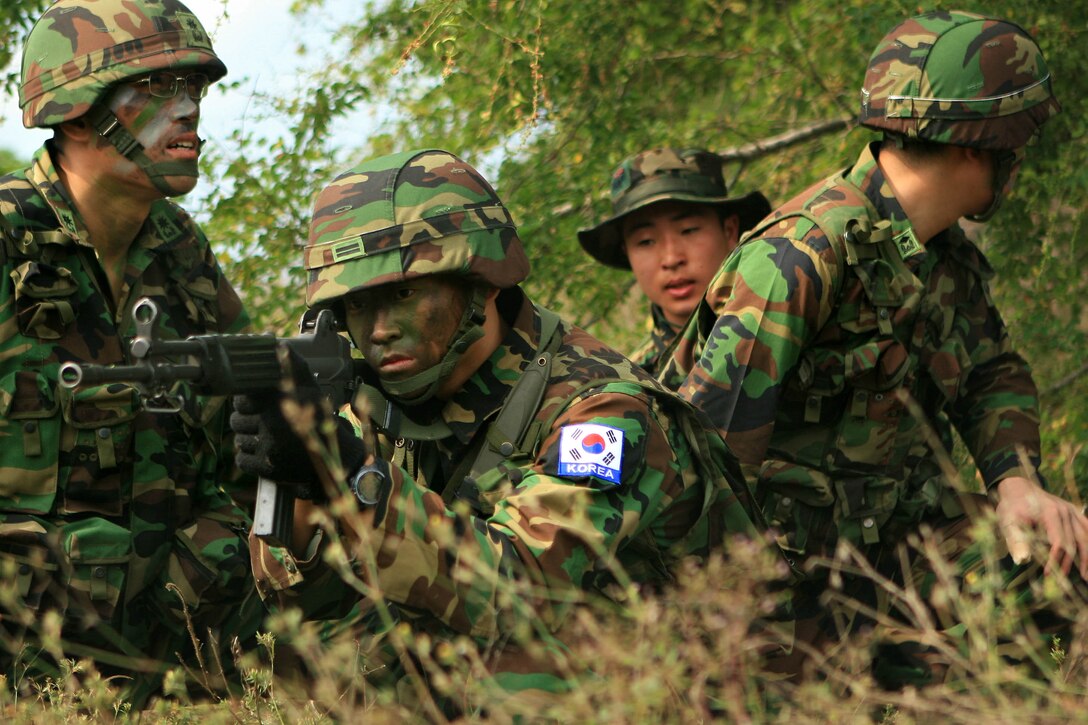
{"points": [[513, 428]]}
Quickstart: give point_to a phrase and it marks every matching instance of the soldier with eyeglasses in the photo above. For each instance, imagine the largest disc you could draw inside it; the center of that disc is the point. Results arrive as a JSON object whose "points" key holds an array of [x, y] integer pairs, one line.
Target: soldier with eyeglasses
{"points": [[114, 517]]}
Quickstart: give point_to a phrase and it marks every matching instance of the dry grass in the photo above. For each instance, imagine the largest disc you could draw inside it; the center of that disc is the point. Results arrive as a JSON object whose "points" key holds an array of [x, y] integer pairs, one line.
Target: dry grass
{"points": [[686, 654]]}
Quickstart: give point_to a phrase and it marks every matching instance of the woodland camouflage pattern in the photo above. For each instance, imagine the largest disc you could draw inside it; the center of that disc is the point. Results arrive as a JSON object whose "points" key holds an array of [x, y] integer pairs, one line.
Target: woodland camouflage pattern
{"points": [[513, 552], [79, 48], [666, 174], [649, 354], [443, 218], [533, 525], [958, 78], [825, 332], [838, 355], [101, 502]]}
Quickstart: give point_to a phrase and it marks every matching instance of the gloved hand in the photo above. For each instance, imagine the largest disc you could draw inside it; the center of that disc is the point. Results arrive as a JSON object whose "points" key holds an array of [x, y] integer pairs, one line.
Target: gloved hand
{"points": [[266, 445]]}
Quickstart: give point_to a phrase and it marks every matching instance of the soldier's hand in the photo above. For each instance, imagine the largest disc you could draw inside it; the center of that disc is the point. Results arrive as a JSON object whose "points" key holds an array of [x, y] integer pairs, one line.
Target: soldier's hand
{"points": [[1023, 506], [267, 445]]}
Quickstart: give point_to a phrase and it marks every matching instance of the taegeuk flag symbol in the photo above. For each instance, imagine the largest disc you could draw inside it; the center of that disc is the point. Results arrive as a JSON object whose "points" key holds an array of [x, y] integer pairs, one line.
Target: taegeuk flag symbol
{"points": [[591, 449]]}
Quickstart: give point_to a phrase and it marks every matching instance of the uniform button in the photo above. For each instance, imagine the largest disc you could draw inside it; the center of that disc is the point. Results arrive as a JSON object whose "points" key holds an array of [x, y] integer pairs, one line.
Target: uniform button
{"points": [[399, 443], [787, 501], [868, 522], [411, 445], [103, 433], [506, 448], [24, 569], [883, 313], [99, 572], [878, 397], [30, 426]]}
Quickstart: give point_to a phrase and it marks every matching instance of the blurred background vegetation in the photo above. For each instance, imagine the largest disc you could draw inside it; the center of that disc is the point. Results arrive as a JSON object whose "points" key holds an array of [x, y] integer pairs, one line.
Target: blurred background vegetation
{"points": [[547, 96]]}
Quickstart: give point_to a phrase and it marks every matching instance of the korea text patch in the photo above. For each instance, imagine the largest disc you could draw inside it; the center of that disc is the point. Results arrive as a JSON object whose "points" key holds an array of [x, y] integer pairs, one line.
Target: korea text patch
{"points": [[591, 449]]}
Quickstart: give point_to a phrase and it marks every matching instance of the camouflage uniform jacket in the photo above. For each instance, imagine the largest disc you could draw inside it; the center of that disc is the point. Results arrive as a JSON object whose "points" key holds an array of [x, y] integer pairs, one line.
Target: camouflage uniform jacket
{"points": [[116, 499], [826, 343], [531, 523], [648, 354]]}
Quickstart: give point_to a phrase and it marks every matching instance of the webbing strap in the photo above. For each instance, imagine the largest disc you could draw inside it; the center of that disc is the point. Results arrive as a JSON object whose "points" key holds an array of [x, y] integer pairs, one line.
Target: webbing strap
{"points": [[505, 435]]}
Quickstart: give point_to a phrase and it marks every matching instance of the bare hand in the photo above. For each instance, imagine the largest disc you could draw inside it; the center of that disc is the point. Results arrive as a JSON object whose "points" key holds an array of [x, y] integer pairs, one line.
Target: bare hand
{"points": [[1024, 506]]}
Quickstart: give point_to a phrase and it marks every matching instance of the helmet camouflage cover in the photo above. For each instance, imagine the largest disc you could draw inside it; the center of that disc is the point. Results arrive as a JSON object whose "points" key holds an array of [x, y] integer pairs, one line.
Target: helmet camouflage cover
{"points": [[409, 215], [958, 78], [79, 48]]}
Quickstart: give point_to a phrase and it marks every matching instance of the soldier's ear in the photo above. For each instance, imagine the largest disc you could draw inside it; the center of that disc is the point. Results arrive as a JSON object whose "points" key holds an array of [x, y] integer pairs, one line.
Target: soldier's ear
{"points": [[78, 129], [731, 230]]}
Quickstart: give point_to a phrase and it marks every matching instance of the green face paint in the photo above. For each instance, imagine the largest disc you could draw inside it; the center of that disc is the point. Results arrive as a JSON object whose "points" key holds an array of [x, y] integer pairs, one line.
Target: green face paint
{"points": [[405, 328], [166, 130]]}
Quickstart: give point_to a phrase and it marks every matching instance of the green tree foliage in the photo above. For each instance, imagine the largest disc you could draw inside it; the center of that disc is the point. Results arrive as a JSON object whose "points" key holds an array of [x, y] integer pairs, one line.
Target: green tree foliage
{"points": [[8, 160], [16, 17]]}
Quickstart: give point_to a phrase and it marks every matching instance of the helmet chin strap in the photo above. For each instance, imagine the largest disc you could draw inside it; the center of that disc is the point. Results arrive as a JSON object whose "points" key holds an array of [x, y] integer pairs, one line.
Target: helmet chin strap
{"points": [[109, 127], [1004, 161], [422, 386]]}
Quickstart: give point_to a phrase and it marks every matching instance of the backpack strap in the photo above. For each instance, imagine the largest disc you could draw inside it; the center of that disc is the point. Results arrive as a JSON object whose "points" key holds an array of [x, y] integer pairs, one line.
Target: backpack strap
{"points": [[506, 435]]}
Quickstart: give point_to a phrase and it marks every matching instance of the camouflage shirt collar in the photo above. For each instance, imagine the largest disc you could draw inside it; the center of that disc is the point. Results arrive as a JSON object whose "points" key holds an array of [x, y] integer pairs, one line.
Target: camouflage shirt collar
{"points": [[42, 173], [867, 175], [161, 230], [662, 333], [663, 330], [483, 395]]}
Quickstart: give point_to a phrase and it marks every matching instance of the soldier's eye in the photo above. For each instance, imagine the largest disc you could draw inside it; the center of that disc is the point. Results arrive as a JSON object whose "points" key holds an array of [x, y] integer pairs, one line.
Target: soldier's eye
{"points": [[356, 303]]}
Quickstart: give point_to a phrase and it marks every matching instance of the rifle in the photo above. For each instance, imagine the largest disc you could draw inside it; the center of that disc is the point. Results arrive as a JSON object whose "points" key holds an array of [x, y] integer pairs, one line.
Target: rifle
{"points": [[228, 365]]}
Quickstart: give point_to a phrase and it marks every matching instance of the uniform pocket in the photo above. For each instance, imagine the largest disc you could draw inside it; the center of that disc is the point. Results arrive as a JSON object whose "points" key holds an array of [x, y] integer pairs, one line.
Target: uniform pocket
{"points": [[98, 552], [27, 560], [863, 507], [797, 501], [29, 442], [867, 431], [44, 299], [98, 442]]}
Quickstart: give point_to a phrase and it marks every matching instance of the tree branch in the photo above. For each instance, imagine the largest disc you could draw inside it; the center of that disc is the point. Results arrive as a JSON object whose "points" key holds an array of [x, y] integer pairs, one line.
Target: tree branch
{"points": [[1066, 381], [754, 150]]}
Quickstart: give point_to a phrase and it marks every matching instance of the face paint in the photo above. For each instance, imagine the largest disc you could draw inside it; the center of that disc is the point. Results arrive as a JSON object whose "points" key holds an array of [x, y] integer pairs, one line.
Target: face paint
{"points": [[166, 128], [405, 328]]}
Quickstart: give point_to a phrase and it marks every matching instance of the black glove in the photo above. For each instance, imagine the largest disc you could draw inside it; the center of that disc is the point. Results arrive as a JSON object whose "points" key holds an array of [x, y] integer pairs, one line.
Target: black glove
{"points": [[266, 445]]}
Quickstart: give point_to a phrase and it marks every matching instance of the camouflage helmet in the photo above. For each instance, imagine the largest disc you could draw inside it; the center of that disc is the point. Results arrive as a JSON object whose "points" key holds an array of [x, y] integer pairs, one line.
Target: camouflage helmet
{"points": [[409, 215], [958, 78], [666, 174], [79, 48]]}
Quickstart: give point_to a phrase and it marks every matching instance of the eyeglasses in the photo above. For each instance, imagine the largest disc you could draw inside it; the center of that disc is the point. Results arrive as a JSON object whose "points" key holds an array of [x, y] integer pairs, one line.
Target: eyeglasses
{"points": [[164, 84]]}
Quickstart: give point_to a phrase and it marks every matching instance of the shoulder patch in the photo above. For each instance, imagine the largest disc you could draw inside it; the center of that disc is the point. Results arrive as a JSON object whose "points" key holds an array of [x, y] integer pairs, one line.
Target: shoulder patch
{"points": [[591, 449]]}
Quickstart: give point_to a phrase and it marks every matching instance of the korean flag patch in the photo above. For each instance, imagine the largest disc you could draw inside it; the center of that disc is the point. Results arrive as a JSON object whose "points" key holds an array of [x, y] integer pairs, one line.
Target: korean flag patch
{"points": [[590, 449]]}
